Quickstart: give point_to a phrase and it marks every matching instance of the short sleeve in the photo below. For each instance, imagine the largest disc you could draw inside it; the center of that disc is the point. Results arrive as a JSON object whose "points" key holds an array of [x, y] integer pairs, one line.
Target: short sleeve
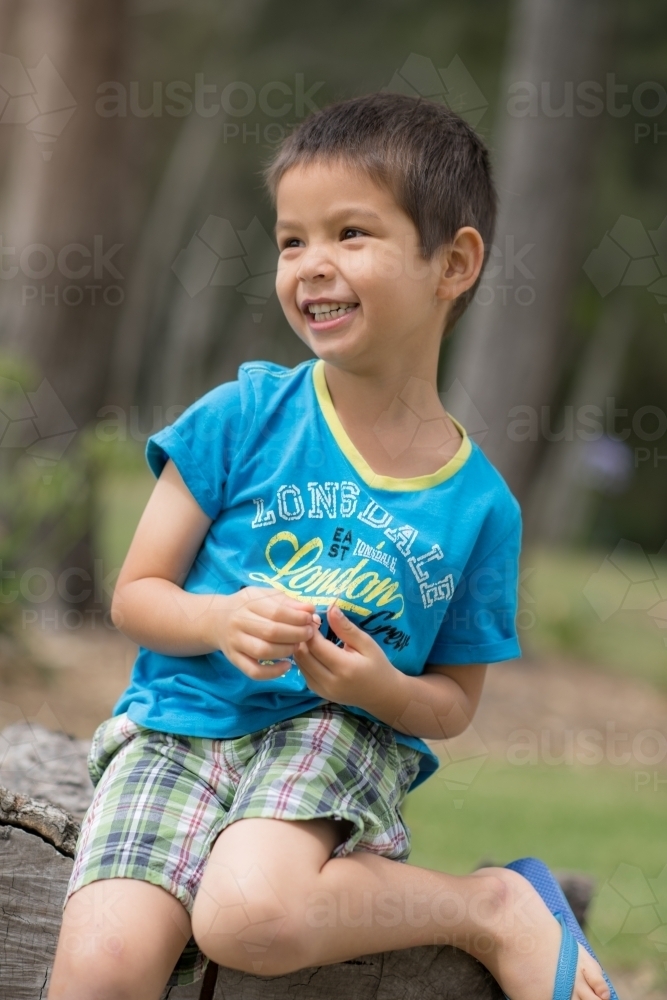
{"points": [[201, 443], [480, 623]]}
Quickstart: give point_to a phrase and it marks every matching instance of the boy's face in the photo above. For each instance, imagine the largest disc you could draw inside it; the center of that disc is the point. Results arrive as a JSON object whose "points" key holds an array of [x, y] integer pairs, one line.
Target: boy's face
{"points": [[350, 279]]}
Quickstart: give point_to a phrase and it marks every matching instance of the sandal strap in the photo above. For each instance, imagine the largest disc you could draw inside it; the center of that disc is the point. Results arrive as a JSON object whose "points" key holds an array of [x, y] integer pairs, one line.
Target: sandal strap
{"points": [[566, 970]]}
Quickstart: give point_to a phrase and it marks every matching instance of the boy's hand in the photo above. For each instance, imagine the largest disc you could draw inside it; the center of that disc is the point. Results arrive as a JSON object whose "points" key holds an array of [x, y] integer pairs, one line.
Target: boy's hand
{"points": [[259, 623], [357, 673]]}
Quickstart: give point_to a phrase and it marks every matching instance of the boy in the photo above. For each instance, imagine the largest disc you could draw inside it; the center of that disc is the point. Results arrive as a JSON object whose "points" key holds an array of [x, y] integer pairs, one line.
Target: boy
{"points": [[249, 783]]}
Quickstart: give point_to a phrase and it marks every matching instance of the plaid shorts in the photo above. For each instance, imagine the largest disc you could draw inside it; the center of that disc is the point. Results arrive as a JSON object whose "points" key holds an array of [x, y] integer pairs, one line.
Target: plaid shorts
{"points": [[161, 800]]}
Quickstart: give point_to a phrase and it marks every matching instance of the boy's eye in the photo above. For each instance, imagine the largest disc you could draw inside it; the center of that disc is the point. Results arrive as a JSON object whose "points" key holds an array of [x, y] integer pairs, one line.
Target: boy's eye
{"points": [[291, 242], [353, 231]]}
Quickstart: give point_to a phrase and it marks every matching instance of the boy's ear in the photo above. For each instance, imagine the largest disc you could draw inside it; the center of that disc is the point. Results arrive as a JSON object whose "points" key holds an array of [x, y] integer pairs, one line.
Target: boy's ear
{"points": [[461, 262]]}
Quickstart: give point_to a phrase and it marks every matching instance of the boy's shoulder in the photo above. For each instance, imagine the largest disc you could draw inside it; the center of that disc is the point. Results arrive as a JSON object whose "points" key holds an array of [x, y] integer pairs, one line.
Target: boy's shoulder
{"points": [[249, 392], [270, 369], [267, 376], [259, 379], [491, 492]]}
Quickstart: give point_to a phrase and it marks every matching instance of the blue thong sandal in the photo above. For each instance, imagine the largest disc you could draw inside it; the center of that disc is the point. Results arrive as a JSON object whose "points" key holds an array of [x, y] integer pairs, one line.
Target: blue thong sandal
{"points": [[542, 880]]}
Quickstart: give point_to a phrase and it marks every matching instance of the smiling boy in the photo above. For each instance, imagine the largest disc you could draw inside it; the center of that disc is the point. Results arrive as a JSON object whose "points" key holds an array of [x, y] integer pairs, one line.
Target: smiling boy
{"points": [[250, 780]]}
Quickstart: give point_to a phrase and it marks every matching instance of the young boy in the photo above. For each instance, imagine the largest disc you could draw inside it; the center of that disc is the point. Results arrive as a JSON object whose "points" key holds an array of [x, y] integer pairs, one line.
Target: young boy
{"points": [[325, 567]]}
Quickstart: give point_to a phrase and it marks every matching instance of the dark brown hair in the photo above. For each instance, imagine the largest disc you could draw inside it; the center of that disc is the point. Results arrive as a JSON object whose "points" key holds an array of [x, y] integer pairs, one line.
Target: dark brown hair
{"points": [[434, 163]]}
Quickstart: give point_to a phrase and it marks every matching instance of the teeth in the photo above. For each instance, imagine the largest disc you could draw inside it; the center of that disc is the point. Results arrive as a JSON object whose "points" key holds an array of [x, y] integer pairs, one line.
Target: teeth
{"points": [[329, 310]]}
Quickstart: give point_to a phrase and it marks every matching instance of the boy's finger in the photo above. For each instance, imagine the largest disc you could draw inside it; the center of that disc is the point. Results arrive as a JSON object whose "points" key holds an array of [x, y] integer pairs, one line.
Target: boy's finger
{"points": [[326, 652], [305, 659], [285, 599], [263, 671], [259, 649], [313, 681], [289, 611], [346, 630], [273, 631]]}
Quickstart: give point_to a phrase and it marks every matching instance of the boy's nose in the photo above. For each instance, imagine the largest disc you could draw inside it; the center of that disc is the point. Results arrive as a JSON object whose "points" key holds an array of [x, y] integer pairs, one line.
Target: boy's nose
{"points": [[315, 263]]}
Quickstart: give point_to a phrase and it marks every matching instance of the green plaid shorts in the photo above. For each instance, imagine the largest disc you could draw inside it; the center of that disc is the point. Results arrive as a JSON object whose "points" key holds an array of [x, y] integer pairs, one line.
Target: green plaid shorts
{"points": [[161, 800]]}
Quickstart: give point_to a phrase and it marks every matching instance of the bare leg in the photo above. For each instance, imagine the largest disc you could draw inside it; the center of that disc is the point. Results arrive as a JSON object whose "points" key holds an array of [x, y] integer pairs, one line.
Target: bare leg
{"points": [[120, 938], [272, 899]]}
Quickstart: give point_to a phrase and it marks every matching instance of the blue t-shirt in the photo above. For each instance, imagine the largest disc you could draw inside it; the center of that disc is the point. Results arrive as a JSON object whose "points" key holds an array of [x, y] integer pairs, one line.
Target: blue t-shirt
{"points": [[427, 565]]}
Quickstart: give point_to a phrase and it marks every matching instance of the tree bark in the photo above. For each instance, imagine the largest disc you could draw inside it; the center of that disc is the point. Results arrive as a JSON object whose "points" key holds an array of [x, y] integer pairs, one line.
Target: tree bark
{"points": [[67, 185], [510, 348], [561, 499]]}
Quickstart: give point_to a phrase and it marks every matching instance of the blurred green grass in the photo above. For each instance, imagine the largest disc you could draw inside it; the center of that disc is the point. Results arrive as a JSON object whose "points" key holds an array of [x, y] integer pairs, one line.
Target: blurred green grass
{"points": [[582, 605], [589, 819]]}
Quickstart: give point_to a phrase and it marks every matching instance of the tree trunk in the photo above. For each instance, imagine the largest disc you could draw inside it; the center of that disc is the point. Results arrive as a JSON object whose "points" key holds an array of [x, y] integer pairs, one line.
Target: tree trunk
{"points": [[144, 313], [510, 349], [561, 499], [66, 187], [67, 213], [8, 12]]}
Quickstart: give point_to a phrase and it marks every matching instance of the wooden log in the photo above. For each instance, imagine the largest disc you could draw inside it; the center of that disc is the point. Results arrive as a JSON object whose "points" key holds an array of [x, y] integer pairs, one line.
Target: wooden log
{"points": [[434, 972], [46, 765], [53, 824], [33, 878]]}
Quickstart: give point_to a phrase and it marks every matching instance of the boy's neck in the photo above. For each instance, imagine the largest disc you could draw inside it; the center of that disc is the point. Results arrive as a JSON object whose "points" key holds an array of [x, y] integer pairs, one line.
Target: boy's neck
{"points": [[395, 418]]}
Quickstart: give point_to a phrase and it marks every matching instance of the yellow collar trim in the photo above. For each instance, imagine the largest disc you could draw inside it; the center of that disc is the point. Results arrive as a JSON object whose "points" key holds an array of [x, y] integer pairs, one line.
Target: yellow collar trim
{"points": [[359, 462]]}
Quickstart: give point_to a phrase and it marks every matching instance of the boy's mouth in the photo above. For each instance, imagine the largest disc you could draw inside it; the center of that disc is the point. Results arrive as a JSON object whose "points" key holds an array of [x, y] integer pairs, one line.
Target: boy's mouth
{"points": [[325, 315]]}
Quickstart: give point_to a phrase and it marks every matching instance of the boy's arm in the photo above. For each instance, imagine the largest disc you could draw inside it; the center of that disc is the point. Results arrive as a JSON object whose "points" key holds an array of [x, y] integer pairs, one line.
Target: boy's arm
{"points": [[436, 705], [150, 606]]}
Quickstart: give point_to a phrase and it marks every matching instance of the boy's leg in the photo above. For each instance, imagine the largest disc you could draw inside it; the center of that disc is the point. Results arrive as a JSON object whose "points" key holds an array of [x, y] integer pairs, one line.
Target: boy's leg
{"points": [[120, 938], [272, 899]]}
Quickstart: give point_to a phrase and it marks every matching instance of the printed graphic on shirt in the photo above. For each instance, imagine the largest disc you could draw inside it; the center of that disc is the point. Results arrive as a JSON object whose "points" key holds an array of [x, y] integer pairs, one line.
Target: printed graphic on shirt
{"points": [[361, 564]]}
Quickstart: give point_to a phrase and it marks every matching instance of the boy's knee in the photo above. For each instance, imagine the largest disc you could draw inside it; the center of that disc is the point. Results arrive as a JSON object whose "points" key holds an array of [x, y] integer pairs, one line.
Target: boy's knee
{"points": [[94, 972], [505, 893], [119, 940]]}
